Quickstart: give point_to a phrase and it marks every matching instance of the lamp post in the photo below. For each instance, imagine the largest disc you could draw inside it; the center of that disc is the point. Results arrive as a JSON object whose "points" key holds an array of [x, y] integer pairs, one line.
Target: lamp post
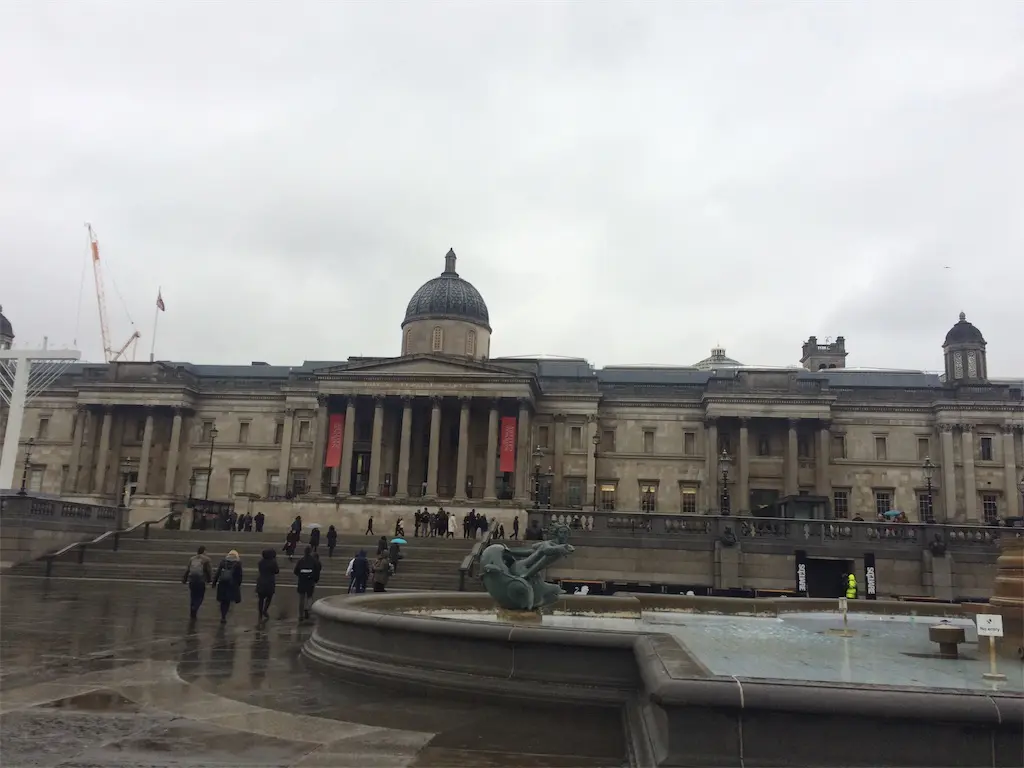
{"points": [[929, 471], [597, 442], [126, 477], [724, 460], [209, 468], [192, 488], [28, 463], [538, 454], [1020, 487]]}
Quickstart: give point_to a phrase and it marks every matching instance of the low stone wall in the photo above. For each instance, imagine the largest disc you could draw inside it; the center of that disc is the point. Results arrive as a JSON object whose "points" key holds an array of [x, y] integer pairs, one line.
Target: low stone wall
{"points": [[22, 543], [676, 713]]}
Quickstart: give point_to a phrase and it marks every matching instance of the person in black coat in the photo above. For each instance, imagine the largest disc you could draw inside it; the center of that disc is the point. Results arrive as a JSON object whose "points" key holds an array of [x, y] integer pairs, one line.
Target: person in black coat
{"points": [[260, 519], [332, 541], [307, 570], [394, 555], [314, 539], [228, 582], [382, 544], [359, 572], [266, 581]]}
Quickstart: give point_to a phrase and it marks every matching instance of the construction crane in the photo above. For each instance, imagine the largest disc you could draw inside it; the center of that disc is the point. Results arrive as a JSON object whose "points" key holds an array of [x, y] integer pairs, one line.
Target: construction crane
{"points": [[109, 353]]}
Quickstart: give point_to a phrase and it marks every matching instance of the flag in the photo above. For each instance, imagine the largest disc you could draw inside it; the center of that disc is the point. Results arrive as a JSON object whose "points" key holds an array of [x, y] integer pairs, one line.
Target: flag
{"points": [[160, 301]]}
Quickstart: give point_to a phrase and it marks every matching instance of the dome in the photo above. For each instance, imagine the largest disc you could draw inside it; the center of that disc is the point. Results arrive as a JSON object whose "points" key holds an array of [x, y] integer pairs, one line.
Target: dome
{"points": [[6, 329], [963, 333], [448, 297], [717, 360]]}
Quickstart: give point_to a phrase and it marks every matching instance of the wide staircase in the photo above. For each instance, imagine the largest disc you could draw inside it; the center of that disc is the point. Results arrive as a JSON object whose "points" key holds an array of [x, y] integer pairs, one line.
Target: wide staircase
{"points": [[428, 563]]}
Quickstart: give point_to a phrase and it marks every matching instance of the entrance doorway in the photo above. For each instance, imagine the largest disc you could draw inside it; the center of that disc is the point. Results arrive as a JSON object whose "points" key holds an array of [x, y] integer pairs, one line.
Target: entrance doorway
{"points": [[825, 577], [360, 473]]}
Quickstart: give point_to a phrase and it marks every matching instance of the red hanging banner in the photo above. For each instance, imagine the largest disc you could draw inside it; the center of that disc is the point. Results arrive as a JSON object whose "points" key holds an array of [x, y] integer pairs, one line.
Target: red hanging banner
{"points": [[507, 462], [335, 436]]}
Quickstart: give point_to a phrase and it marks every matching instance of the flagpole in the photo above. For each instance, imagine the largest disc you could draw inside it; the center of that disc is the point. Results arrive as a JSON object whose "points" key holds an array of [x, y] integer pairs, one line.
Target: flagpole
{"points": [[156, 319]]}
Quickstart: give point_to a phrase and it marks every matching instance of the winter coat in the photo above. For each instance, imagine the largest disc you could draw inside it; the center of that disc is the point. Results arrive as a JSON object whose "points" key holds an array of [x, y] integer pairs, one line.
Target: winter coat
{"points": [[228, 581], [382, 569], [314, 537], [266, 582], [360, 567], [307, 570], [332, 538]]}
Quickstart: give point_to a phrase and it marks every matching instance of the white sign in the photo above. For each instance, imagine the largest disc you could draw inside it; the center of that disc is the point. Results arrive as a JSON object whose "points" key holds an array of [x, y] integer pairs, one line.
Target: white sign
{"points": [[990, 625], [843, 605]]}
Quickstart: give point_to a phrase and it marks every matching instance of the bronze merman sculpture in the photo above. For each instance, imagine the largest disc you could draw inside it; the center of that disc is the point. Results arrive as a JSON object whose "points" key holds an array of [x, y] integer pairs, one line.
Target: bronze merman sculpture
{"points": [[514, 577]]}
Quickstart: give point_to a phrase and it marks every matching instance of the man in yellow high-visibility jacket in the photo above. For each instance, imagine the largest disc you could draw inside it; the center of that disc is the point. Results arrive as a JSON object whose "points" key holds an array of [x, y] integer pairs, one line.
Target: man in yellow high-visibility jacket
{"points": [[851, 587]]}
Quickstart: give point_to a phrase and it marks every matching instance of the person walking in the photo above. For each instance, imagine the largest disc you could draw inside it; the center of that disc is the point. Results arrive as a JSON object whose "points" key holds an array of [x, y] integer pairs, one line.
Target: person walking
{"points": [[314, 539], [266, 581], [228, 581], [369, 526], [358, 572], [515, 527], [198, 573], [381, 572], [394, 555], [851, 586], [332, 540], [307, 571], [260, 519]]}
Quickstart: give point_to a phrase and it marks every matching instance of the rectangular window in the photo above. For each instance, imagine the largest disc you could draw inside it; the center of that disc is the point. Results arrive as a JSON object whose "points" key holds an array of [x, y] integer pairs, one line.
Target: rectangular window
{"points": [[803, 447], [990, 508], [841, 504], [648, 441], [300, 482], [44, 429], [243, 432], [688, 501], [35, 479], [925, 512], [764, 446], [883, 502], [542, 437], [881, 448], [239, 478], [608, 496], [200, 480], [608, 441], [207, 432], [924, 448], [838, 446], [278, 433], [576, 438], [648, 497], [64, 471], [986, 449], [273, 484], [689, 443], [303, 431], [574, 492]]}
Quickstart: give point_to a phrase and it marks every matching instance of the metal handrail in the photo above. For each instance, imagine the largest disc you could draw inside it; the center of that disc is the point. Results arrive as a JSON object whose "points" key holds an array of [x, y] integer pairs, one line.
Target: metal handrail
{"points": [[81, 545], [468, 563]]}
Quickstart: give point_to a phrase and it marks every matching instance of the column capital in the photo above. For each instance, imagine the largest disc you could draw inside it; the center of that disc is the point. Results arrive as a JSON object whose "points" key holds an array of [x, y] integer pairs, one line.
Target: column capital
{"points": [[744, 422], [350, 403], [825, 425], [435, 401], [289, 411], [407, 401], [793, 423], [966, 427], [378, 401], [81, 409], [495, 403], [321, 400], [524, 403], [465, 400], [561, 417], [710, 421], [945, 427]]}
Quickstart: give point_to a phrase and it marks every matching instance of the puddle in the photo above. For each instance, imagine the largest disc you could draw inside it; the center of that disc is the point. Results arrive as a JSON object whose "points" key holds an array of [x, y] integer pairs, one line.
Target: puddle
{"points": [[95, 701]]}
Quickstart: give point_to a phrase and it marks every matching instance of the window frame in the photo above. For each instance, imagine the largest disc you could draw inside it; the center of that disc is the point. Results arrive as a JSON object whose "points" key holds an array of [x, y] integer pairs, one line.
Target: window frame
{"points": [[648, 496]]}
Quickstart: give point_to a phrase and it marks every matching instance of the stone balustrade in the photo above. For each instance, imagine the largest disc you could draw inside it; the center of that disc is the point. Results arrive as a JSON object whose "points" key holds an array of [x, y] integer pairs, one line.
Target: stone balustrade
{"points": [[29, 510]]}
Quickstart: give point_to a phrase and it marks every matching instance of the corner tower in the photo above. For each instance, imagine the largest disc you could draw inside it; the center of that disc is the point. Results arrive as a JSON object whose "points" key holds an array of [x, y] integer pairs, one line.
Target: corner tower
{"points": [[818, 357], [964, 353], [447, 316]]}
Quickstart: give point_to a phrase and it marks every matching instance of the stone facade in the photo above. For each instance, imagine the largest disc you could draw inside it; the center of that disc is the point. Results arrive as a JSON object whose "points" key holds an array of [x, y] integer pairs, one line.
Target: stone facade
{"points": [[425, 425]]}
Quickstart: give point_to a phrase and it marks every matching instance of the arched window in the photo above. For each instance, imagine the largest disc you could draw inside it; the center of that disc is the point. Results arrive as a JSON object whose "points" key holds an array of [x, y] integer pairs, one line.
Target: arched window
{"points": [[405, 342], [831, 365], [822, 367], [437, 340], [471, 343]]}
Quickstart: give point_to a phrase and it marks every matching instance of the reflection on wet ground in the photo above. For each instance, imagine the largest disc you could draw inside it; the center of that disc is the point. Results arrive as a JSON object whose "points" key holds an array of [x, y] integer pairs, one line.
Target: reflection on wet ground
{"points": [[96, 673]]}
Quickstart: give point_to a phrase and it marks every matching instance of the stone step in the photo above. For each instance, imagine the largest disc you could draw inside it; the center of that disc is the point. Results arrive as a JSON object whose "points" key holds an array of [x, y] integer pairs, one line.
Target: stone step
{"points": [[179, 559]]}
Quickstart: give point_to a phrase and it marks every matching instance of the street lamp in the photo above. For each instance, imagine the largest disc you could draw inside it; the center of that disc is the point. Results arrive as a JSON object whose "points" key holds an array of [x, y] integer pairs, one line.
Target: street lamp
{"points": [[929, 471], [1020, 487], [28, 463], [597, 442], [126, 477], [209, 468], [725, 460], [538, 454]]}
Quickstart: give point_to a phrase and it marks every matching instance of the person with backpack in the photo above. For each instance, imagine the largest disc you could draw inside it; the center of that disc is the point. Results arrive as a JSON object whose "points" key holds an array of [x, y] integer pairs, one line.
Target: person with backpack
{"points": [[332, 540], [266, 581], [228, 581], [198, 573], [307, 571]]}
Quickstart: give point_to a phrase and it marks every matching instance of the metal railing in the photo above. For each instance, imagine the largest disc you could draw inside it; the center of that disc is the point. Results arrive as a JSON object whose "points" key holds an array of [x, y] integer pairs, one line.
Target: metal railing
{"points": [[114, 535], [469, 563]]}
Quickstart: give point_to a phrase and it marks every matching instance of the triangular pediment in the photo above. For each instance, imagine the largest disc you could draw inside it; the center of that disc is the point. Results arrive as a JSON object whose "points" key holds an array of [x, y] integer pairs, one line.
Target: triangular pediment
{"points": [[421, 365]]}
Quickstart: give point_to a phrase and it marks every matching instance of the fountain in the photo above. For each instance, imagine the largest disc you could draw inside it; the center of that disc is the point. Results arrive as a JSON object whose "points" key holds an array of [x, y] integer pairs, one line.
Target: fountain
{"points": [[700, 680]]}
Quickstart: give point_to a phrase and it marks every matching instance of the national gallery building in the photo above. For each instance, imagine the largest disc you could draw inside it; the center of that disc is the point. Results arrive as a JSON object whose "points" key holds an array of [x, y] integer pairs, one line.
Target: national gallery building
{"points": [[447, 423]]}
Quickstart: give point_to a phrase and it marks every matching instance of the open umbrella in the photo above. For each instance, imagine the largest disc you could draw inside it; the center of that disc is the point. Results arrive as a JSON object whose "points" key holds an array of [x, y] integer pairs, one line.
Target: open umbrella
{"points": [[314, 525], [399, 540], [893, 513]]}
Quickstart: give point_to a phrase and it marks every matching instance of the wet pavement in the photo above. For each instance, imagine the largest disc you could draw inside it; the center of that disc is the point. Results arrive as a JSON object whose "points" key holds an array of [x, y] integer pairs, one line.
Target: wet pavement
{"points": [[99, 673]]}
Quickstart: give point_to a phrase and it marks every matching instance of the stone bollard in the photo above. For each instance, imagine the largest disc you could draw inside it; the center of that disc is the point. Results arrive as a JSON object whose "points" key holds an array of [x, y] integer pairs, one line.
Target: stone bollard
{"points": [[948, 636]]}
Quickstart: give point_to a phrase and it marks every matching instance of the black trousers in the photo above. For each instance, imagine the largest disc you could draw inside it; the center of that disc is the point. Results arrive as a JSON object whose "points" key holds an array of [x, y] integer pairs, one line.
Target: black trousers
{"points": [[196, 593], [264, 603]]}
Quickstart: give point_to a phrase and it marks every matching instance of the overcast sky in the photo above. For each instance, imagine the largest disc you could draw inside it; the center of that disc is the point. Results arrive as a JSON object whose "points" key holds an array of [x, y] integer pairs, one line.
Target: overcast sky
{"points": [[630, 183]]}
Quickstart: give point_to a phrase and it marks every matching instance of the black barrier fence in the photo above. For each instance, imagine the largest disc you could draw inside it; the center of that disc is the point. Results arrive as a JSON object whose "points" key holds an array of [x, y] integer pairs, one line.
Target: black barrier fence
{"points": [[575, 586]]}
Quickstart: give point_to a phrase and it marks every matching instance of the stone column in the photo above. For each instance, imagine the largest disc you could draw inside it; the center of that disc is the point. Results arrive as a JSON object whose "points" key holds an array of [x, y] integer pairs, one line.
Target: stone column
{"points": [[743, 471], [711, 463], [284, 463], [970, 483], [822, 460], [376, 447], [404, 448], [171, 473], [524, 452], [1010, 474], [147, 447], [948, 474], [558, 491], [103, 454], [792, 460], [81, 419], [462, 462], [319, 444], [434, 449], [345, 475], [492, 452], [591, 461]]}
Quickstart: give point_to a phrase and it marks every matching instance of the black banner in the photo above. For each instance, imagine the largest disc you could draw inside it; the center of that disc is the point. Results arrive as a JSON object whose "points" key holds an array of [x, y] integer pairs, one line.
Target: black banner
{"points": [[801, 572], [870, 576]]}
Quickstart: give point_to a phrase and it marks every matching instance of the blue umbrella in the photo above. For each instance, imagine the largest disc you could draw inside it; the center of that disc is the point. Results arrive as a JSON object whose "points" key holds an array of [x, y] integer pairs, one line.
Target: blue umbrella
{"points": [[893, 513], [399, 541]]}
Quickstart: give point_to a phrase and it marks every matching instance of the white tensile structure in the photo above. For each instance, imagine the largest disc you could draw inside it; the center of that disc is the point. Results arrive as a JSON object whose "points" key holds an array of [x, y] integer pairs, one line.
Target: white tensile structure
{"points": [[25, 374]]}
